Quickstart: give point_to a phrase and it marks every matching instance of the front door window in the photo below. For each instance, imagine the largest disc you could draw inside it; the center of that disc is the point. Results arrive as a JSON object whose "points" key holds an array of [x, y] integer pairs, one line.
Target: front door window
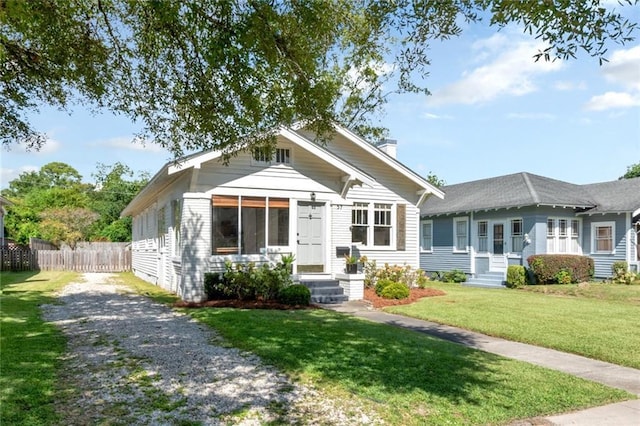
{"points": [[498, 238]]}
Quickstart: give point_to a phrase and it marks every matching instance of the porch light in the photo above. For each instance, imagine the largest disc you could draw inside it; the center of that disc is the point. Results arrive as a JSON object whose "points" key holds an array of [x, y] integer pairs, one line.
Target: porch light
{"points": [[313, 196]]}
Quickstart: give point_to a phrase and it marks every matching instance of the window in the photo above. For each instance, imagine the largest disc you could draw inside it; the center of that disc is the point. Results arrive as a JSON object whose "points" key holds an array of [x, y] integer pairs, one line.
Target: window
{"points": [[516, 235], [278, 222], [382, 224], [266, 156], [359, 223], [283, 156], [551, 236], [460, 234], [244, 224], [603, 233], [562, 235], [575, 236], [162, 228], [483, 236], [427, 235]]}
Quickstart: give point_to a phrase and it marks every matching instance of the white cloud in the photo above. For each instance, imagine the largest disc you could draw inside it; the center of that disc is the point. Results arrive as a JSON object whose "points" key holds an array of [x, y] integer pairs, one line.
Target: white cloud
{"points": [[431, 116], [623, 70], [531, 116], [131, 143], [611, 100], [564, 85], [7, 174], [511, 71]]}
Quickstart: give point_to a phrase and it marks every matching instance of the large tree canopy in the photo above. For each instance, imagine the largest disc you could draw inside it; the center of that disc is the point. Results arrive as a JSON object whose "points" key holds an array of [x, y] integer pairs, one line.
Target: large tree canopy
{"points": [[206, 73]]}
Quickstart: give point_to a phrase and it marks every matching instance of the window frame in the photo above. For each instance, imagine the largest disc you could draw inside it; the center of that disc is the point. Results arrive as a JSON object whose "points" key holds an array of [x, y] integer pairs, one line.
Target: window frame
{"points": [[251, 202], [423, 223], [594, 237], [457, 220], [484, 236], [513, 235], [260, 158], [569, 239], [371, 210]]}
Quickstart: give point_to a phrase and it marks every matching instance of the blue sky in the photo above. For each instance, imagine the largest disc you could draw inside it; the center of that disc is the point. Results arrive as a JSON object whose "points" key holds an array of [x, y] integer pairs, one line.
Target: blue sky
{"points": [[493, 111]]}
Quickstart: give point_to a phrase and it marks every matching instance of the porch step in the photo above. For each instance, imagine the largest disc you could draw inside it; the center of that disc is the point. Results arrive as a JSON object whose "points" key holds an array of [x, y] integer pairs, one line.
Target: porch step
{"points": [[487, 280], [325, 291]]}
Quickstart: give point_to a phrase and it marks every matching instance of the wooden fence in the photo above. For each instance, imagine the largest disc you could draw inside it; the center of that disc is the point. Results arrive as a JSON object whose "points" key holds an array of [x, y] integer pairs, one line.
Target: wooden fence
{"points": [[24, 259]]}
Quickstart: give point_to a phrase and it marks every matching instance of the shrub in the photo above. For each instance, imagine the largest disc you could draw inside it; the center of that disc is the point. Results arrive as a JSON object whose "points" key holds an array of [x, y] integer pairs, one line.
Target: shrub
{"points": [[621, 274], [564, 277], [214, 286], [516, 276], [295, 294], [545, 267], [405, 274], [381, 284], [455, 276], [395, 291]]}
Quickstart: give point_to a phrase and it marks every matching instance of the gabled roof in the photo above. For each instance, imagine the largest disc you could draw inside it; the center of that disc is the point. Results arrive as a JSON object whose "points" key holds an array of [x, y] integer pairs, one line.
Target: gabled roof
{"points": [[427, 187], [352, 174], [527, 189]]}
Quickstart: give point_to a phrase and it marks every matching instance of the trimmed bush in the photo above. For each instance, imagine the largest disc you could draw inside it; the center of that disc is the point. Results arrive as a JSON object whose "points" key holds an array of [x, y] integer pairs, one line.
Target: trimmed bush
{"points": [[564, 277], [401, 274], [382, 284], [215, 286], [546, 267], [455, 276], [295, 294], [516, 277], [395, 291]]}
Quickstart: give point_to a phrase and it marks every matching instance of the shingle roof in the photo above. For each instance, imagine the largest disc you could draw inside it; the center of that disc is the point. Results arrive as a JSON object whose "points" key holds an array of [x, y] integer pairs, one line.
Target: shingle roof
{"points": [[527, 189], [616, 196]]}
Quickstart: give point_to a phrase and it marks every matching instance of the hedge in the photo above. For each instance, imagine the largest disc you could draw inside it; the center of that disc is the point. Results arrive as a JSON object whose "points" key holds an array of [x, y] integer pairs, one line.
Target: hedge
{"points": [[547, 267]]}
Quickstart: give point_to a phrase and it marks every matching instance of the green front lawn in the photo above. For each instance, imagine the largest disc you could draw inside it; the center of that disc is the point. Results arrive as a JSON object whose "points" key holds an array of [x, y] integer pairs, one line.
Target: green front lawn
{"points": [[405, 377], [30, 348], [595, 320]]}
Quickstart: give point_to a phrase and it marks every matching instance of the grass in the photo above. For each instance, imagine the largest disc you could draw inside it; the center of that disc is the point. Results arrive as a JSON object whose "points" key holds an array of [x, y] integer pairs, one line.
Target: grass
{"points": [[30, 348], [404, 377], [154, 292], [595, 320]]}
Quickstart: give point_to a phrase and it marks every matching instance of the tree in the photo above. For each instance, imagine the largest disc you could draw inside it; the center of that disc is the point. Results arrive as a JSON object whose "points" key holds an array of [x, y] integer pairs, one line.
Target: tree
{"points": [[206, 74], [632, 172], [116, 185], [67, 225], [434, 180]]}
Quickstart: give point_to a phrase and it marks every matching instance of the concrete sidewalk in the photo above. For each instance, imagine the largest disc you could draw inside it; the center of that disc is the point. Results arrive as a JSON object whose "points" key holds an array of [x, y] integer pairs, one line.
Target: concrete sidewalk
{"points": [[621, 414]]}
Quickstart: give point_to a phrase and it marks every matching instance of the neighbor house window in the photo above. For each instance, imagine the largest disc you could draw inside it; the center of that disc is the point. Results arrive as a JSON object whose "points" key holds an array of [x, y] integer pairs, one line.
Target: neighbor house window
{"points": [[483, 236], [283, 156], [562, 235], [551, 236], [427, 235], [242, 225], [575, 236], [516, 235], [381, 224], [603, 233], [261, 155], [460, 234], [359, 223]]}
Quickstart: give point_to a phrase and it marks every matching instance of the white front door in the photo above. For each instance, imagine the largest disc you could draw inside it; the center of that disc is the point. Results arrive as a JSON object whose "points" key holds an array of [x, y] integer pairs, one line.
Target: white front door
{"points": [[498, 258], [310, 237]]}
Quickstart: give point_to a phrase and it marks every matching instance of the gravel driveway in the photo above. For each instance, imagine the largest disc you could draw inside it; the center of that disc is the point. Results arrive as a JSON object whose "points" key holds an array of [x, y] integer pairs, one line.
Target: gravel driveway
{"points": [[133, 361]]}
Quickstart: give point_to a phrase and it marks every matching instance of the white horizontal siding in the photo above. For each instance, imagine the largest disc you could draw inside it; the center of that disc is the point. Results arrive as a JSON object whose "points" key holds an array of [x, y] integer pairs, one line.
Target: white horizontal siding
{"points": [[196, 247]]}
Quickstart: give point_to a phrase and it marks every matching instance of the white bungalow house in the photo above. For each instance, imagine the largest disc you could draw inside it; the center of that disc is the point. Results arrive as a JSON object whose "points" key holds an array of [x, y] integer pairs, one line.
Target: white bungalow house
{"points": [[311, 200]]}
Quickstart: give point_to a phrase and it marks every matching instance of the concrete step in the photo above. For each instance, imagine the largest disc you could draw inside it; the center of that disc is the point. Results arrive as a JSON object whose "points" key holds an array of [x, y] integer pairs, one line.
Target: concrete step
{"points": [[473, 283], [325, 291]]}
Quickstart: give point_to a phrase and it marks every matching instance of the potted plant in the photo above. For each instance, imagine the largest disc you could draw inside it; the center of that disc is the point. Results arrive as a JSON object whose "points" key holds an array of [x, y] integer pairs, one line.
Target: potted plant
{"points": [[351, 264]]}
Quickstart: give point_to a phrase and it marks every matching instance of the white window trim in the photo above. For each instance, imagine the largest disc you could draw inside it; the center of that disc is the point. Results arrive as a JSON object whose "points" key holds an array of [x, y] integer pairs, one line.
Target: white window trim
{"points": [[272, 161], [595, 225], [568, 237], [510, 252], [455, 234], [371, 226], [426, 222]]}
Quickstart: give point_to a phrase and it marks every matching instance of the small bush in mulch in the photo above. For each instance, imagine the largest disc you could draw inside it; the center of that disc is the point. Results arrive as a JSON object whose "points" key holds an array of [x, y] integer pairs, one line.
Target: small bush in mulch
{"points": [[414, 294], [242, 304]]}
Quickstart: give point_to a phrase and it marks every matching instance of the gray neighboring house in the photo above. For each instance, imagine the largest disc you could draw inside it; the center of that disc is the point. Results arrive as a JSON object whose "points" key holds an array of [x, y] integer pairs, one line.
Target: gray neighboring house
{"points": [[483, 226]]}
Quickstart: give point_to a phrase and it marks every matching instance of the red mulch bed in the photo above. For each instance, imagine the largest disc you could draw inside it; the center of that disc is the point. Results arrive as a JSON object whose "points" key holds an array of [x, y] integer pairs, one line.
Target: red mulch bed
{"points": [[369, 295], [415, 294]]}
